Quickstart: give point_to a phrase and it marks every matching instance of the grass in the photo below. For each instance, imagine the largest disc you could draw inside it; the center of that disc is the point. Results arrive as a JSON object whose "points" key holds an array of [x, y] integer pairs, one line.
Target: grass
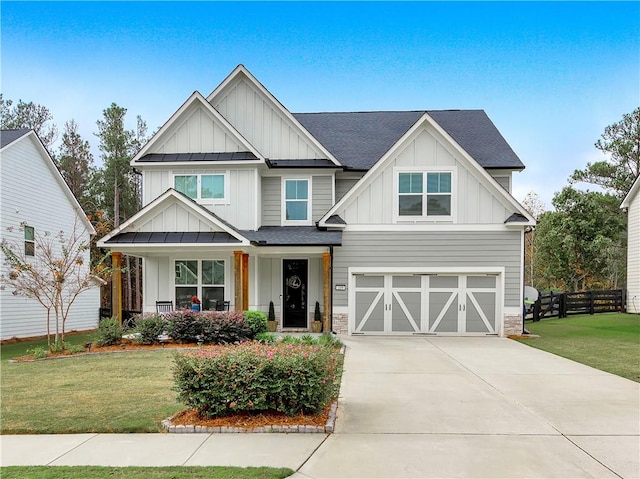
{"points": [[609, 342], [94, 472], [14, 350], [119, 392]]}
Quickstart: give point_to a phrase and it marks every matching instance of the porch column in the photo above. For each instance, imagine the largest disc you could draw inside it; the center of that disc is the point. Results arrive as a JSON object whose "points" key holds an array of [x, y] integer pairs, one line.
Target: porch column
{"points": [[245, 281], [116, 286], [326, 292], [237, 280]]}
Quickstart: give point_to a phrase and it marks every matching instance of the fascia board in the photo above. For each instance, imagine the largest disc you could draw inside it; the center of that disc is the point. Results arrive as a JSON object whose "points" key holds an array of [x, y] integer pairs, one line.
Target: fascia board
{"points": [[195, 97], [240, 69], [635, 189], [58, 176]]}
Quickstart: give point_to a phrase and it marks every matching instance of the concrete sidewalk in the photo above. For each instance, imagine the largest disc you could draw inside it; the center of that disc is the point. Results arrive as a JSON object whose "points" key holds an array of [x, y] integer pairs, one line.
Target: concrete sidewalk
{"points": [[414, 408]]}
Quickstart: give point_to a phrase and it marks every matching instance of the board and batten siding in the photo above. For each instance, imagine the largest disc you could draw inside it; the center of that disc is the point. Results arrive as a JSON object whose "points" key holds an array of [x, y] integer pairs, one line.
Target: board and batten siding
{"points": [[48, 209], [240, 210], [262, 124], [633, 257], [440, 249], [176, 217], [475, 203], [197, 132], [321, 198]]}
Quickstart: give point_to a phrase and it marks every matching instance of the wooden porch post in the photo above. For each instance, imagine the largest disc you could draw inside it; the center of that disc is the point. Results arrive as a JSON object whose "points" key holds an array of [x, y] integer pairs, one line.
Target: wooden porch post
{"points": [[245, 281], [116, 286], [326, 292], [237, 280]]}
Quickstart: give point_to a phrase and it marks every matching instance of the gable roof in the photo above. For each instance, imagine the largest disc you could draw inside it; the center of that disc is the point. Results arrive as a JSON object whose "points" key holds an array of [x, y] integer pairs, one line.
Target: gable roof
{"points": [[241, 72], [425, 120], [635, 190], [9, 136], [196, 98], [120, 234], [360, 139]]}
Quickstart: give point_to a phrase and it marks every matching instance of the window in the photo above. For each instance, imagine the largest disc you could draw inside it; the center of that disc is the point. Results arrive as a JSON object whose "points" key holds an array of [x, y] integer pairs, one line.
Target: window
{"points": [[202, 278], [297, 206], [29, 241], [205, 188], [425, 194]]}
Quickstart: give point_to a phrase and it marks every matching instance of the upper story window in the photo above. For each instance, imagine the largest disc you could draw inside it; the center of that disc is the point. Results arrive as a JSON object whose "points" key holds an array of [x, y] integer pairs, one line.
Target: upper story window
{"points": [[425, 194], [202, 188], [296, 202], [29, 241]]}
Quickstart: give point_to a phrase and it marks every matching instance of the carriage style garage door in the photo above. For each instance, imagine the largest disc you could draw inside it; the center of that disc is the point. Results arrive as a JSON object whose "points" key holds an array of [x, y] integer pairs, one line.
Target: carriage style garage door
{"points": [[425, 304]]}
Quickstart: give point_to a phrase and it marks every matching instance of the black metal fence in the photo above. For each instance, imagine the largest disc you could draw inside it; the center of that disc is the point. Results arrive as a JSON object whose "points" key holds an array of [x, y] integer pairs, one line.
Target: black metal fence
{"points": [[561, 305], [127, 316]]}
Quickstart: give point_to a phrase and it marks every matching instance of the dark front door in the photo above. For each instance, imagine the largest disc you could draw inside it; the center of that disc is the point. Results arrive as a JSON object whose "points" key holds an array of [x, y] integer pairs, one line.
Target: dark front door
{"points": [[294, 276]]}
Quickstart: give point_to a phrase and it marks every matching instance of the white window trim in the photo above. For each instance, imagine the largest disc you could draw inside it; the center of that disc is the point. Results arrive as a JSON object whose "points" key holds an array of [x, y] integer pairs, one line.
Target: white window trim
{"points": [[32, 242], [424, 217], [207, 201], [283, 201], [200, 284]]}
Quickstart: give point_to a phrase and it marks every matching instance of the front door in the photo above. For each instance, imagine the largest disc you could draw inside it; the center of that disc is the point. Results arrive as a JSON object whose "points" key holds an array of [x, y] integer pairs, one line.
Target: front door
{"points": [[294, 276]]}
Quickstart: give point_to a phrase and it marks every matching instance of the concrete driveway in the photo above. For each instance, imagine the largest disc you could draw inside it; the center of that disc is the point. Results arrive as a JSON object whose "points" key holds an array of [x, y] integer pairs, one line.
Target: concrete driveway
{"points": [[477, 408]]}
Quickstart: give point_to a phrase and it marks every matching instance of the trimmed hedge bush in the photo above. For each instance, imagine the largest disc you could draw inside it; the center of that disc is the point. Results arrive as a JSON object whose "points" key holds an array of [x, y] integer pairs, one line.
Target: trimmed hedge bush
{"points": [[216, 327], [256, 377]]}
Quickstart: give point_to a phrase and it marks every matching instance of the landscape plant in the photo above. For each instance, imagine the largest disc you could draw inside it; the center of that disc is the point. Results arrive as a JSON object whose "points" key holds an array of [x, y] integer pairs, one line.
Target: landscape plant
{"points": [[255, 377], [109, 332], [256, 320], [149, 327]]}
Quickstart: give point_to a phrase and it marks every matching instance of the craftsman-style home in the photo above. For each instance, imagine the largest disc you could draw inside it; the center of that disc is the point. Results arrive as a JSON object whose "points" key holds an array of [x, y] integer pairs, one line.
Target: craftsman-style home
{"points": [[396, 222]]}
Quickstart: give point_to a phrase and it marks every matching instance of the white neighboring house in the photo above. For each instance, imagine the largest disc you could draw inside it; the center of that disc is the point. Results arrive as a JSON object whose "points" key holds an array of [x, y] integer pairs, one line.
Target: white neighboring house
{"points": [[33, 191], [632, 204]]}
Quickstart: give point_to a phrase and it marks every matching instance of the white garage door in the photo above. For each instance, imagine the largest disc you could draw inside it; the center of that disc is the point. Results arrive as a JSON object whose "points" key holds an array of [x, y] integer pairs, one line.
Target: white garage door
{"points": [[425, 304]]}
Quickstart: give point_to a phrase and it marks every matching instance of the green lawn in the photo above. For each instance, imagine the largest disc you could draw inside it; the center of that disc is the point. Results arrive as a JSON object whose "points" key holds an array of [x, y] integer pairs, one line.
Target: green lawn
{"points": [[83, 472], [117, 392], [14, 350], [609, 342]]}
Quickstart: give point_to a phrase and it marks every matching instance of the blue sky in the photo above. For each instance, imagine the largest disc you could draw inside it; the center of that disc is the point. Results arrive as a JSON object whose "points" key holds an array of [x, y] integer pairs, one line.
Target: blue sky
{"points": [[550, 75]]}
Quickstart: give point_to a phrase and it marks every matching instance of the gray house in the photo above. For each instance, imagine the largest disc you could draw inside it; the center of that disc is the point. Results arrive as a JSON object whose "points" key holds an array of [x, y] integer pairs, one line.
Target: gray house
{"points": [[396, 222]]}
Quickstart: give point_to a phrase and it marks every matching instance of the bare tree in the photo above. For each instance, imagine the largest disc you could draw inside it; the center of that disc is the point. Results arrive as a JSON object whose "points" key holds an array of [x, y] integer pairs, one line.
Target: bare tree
{"points": [[55, 275]]}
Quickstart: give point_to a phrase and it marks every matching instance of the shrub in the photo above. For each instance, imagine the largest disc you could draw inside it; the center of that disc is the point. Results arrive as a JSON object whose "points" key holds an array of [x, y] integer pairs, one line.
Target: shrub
{"points": [[223, 327], [257, 321], [38, 352], [255, 377], [74, 348], [183, 326], [148, 327], [272, 312], [109, 332], [330, 341]]}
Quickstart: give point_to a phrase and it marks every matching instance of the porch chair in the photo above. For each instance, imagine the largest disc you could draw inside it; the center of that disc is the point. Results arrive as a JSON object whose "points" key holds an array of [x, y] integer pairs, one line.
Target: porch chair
{"points": [[222, 305], [163, 307]]}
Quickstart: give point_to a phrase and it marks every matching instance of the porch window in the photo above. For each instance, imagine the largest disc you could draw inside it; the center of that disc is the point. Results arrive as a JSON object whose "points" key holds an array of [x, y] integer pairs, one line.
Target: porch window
{"points": [[296, 205], [29, 241], [425, 194], [204, 188], [202, 278]]}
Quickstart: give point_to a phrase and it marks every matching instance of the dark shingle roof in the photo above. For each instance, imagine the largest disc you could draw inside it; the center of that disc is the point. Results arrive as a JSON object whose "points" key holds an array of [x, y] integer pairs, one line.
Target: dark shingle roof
{"points": [[168, 157], [293, 236], [318, 163], [359, 139], [174, 237], [9, 136]]}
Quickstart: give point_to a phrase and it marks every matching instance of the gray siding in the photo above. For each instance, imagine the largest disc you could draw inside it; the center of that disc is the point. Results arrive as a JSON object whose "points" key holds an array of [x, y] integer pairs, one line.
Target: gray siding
{"points": [[430, 249], [504, 181], [321, 196], [343, 185], [271, 201]]}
